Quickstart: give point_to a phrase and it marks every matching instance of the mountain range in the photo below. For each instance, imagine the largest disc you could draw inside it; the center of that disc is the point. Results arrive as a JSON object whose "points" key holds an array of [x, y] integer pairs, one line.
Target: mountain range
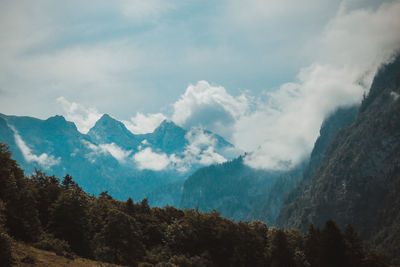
{"points": [[352, 175], [110, 157]]}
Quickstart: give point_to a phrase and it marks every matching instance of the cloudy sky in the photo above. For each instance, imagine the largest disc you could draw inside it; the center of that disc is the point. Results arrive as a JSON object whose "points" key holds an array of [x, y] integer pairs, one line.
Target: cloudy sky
{"points": [[261, 73]]}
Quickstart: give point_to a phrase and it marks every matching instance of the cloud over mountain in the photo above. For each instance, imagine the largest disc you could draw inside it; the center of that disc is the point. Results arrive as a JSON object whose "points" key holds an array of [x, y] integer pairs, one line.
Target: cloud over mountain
{"points": [[84, 118], [144, 123], [353, 45], [337, 50], [209, 106], [44, 160], [149, 160]]}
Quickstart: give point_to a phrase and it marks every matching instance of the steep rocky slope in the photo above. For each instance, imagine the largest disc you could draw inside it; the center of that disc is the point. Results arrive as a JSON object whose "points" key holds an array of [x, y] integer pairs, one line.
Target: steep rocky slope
{"points": [[268, 208], [358, 180]]}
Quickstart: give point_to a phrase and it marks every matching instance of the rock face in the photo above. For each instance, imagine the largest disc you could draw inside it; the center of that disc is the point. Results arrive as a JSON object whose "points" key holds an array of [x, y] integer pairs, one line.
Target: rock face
{"points": [[341, 118], [268, 208], [359, 178]]}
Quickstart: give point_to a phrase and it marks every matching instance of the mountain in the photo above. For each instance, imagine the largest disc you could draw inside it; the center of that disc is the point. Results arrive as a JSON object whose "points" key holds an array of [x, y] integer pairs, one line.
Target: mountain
{"points": [[108, 130], [114, 159], [168, 137], [359, 178], [268, 208], [169, 194], [243, 193], [46, 222], [231, 188]]}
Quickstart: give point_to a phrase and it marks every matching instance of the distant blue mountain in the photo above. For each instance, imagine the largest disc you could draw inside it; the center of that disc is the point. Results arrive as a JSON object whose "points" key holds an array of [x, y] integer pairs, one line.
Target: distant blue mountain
{"points": [[104, 158], [109, 130]]}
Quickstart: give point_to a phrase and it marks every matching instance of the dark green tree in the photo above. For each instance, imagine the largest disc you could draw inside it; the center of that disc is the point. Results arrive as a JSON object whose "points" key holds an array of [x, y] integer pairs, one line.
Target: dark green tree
{"points": [[5, 242], [281, 255], [120, 240], [23, 218], [333, 248], [69, 219], [67, 181], [312, 247], [47, 191], [354, 248]]}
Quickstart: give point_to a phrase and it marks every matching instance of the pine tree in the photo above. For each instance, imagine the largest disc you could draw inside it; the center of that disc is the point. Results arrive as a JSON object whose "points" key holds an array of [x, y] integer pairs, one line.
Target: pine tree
{"points": [[281, 255], [312, 246], [69, 219], [354, 248], [333, 249], [67, 181], [120, 240]]}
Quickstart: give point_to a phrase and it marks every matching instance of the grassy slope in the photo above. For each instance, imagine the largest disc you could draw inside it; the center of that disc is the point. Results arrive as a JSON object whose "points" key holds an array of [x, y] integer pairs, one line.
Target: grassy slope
{"points": [[22, 252]]}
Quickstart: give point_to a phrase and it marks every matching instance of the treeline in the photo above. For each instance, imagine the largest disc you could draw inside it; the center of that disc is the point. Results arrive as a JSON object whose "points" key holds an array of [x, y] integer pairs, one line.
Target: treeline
{"points": [[59, 216]]}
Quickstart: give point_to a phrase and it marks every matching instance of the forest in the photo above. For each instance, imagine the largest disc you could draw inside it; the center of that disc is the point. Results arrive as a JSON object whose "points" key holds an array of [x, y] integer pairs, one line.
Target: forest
{"points": [[57, 215]]}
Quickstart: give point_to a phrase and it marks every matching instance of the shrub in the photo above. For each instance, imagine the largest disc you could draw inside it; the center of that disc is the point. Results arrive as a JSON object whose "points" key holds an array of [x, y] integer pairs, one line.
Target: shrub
{"points": [[50, 243], [5, 250]]}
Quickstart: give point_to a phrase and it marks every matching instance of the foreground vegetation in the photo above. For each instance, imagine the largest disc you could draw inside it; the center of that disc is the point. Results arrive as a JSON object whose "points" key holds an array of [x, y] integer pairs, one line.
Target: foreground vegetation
{"points": [[59, 216], [26, 255]]}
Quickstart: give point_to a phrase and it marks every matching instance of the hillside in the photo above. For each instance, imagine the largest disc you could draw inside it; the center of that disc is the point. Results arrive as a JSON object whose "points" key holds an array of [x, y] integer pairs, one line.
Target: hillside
{"points": [[231, 188], [358, 180], [26, 255], [243, 193], [60, 217]]}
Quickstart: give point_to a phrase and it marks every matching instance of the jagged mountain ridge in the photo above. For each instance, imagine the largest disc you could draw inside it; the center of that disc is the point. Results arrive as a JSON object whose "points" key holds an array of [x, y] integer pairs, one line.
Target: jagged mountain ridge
{"points": [[108, 130], [168, 137], [102, 159], [358, 180]]}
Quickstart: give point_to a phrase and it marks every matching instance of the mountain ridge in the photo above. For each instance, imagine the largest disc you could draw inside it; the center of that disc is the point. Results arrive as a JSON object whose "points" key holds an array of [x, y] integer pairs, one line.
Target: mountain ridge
{"points": [[107, 150]]}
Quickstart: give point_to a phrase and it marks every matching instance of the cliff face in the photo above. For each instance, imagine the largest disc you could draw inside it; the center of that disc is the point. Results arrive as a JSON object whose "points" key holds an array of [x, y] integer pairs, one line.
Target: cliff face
{"points": [[358, 178], [268, 208]]}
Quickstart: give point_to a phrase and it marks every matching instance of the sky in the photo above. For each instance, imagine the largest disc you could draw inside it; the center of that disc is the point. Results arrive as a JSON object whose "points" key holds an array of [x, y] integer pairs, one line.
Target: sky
{"points": [[263, 74]]}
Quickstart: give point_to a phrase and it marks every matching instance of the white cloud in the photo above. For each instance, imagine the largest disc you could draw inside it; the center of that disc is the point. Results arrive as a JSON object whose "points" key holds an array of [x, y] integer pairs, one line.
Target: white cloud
{"points": [[142, 124], [201, 148], [115, 151], [45, 160], [147, 159], [360, 39], [281, 132], [112, 149], [84, 118], [350, 50], [211, 107], [394, 95], [145, 142]]}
